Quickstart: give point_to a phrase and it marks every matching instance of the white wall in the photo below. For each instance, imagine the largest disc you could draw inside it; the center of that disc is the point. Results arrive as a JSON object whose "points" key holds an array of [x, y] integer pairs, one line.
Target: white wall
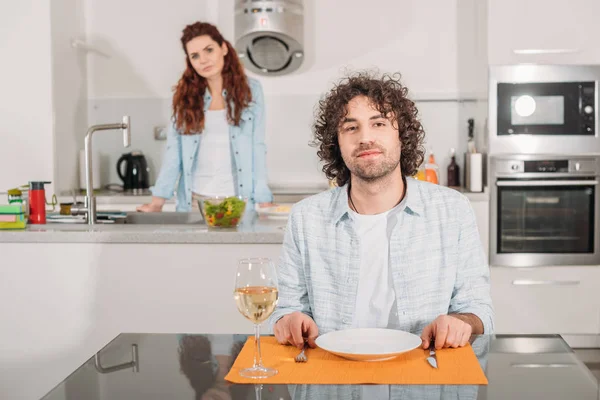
{"points": [[69, 88], [472, 60], [413, 37], [147, 58], [139, 59], [141, 39], [472, 56], [26, 115]]}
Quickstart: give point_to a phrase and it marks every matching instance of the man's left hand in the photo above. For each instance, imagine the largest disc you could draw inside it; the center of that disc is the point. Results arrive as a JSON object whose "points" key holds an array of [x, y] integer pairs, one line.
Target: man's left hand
{"points": [[448, 331]]}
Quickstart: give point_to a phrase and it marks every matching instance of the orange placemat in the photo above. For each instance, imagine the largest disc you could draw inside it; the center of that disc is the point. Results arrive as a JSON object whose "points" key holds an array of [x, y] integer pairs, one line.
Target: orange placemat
{"points": [[456, 367]]}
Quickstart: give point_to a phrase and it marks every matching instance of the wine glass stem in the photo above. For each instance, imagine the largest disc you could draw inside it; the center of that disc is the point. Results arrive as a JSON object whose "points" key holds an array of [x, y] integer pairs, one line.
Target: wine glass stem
{"points": [[257, 355]]}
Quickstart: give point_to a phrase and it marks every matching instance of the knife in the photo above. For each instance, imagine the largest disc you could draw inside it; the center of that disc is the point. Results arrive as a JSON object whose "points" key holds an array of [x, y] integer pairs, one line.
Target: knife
{"points": [[432, 359]]}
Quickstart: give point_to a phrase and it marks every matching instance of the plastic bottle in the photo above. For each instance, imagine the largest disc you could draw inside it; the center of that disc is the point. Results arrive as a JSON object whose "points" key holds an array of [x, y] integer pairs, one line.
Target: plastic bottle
{"points": [[432, 171]]}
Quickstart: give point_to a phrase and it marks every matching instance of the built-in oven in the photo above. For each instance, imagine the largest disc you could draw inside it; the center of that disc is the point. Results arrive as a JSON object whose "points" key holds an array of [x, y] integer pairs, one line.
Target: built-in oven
{"points": [[544, 210], [544, 109]]}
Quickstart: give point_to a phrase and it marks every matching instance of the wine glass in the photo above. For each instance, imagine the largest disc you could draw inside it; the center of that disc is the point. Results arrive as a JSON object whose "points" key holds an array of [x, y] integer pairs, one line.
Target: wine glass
{"points": [[256, 296]]}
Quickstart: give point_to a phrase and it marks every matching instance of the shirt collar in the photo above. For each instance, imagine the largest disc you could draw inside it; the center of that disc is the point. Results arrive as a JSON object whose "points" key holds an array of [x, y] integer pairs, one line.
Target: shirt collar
{"points": [[208, 97], [414, 202], [340, 203]]}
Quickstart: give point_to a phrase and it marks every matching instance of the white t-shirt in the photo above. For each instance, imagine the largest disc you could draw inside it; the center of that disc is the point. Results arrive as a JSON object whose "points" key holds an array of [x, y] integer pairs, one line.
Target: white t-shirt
{"points": [[376, 296], [213, 175]]}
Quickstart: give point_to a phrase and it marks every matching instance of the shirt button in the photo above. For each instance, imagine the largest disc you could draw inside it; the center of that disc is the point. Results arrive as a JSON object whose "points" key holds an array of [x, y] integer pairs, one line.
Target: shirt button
{"points": [[241, 185], [240, 170], [237, 152]]}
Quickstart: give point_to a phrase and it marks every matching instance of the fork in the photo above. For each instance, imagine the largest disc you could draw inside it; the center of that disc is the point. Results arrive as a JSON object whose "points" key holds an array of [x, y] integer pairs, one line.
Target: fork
{"points": [[301, 358]]}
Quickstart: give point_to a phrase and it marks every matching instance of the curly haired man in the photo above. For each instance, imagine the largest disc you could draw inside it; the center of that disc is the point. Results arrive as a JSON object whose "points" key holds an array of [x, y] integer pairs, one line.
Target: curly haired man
{"points": [[381, 250]]}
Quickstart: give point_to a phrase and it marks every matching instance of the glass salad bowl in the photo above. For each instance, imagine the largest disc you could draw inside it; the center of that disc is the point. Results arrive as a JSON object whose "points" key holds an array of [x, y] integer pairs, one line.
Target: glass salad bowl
{"points": [[222, 211]]}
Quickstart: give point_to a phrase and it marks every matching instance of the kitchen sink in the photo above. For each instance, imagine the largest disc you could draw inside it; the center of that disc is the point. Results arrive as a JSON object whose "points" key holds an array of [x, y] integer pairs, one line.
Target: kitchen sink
{"points": [[161, 218]]}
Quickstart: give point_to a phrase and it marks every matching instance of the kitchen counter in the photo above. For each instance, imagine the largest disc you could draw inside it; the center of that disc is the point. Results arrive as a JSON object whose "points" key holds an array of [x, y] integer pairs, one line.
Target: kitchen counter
{"points": [[280, 195], [108, 197], [254, 230]]}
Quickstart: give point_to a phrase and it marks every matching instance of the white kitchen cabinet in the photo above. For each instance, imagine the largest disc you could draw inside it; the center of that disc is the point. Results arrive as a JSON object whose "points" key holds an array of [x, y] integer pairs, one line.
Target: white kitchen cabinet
{"points": [[542, 31], [546, 300], [482, 216], [82, 295], [529, 376]]}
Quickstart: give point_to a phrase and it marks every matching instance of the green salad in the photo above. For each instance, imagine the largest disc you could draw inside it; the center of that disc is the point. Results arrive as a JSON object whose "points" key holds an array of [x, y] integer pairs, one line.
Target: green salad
{"points": [[226, 213]]}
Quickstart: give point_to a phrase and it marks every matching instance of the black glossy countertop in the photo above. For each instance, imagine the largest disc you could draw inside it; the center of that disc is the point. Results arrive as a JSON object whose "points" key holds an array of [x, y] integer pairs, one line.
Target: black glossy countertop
{"points": [[192, 366]]}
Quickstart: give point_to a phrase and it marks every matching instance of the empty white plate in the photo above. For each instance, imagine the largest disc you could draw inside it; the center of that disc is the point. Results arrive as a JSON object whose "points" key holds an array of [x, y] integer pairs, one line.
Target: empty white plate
{"points": [[368, 344]]}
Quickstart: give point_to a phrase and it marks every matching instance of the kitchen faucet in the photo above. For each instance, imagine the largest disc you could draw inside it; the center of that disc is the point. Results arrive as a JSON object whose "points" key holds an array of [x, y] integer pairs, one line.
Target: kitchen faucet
{"points": [[90, 200]]}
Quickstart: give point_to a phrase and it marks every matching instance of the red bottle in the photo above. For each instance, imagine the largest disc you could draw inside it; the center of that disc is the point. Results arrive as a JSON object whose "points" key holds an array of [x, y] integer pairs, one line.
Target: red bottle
{"points": [[37, 202]]}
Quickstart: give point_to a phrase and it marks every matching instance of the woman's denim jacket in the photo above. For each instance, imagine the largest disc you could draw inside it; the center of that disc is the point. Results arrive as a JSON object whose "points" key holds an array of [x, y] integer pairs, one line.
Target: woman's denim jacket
{"points": [[247, 147]]}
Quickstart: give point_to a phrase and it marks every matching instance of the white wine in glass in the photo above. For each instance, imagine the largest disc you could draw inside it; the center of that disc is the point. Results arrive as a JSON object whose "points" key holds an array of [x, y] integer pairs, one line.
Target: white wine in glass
{"points": [[256, 296]]}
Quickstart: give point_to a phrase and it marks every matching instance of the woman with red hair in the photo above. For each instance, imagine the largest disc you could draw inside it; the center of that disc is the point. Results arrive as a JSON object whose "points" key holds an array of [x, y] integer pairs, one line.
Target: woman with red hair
{"points": [[215, 144]]}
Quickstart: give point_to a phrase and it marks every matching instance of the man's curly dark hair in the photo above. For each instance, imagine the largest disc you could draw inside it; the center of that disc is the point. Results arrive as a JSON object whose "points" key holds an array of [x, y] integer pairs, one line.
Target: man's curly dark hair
{"points": [[388, 96]]}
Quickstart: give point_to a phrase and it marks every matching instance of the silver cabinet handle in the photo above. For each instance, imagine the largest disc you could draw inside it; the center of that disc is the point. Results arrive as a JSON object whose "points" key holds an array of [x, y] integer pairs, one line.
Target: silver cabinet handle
{"points": [[134, 363], [549, 365], [545, 51], [547, 183], [531, 282]]}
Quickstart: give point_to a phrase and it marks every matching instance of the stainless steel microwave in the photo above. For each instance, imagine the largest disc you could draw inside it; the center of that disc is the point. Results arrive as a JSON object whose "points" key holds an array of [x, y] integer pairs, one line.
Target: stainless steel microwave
{"points": [[544, 109]]}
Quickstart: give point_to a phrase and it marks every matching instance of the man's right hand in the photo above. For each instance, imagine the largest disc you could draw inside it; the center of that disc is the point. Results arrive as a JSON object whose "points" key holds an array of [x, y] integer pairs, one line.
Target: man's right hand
{"points": [[294, 328]]}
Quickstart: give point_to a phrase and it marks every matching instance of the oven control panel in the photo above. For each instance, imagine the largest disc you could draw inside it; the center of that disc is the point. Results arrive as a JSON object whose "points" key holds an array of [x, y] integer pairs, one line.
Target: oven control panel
{"points": [[545, 166]]}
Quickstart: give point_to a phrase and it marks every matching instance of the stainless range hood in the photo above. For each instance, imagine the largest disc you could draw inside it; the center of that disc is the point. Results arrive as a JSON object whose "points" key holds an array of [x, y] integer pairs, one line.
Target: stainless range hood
{"points": [[269, 35]]}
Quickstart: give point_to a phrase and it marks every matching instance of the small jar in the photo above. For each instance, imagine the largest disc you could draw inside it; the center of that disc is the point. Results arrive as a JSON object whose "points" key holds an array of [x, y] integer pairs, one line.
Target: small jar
{"points": [[65, 208], [15, 196]]}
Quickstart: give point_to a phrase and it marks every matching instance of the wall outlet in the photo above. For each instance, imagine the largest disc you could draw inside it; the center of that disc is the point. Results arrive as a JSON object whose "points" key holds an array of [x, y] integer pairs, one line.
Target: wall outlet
{"points": [[160, 133]]}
